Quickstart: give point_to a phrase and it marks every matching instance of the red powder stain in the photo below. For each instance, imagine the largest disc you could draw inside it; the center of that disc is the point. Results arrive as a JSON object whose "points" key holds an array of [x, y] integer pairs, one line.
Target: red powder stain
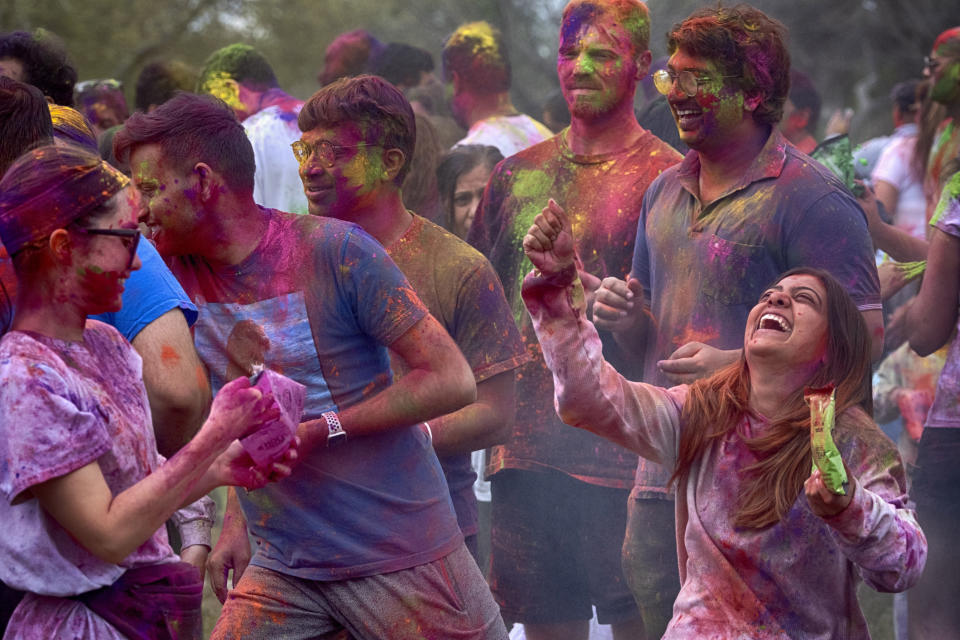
{"points": [[693, 335], [202, 380], [169, 356]]}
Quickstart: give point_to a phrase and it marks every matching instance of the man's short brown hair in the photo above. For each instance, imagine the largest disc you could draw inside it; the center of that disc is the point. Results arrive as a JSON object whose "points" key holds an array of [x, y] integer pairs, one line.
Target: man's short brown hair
{"points": [[371, 102], [744, 43]]}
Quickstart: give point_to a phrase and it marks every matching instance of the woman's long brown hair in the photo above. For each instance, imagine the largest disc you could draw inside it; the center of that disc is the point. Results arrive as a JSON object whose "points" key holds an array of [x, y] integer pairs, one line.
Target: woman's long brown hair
{"points": [[717, 404]]}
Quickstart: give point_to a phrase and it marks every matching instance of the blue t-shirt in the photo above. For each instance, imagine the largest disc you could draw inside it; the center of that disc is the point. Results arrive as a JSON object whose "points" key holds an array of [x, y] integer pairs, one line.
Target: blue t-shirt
{"points": [[149, 293], [317, 300]]}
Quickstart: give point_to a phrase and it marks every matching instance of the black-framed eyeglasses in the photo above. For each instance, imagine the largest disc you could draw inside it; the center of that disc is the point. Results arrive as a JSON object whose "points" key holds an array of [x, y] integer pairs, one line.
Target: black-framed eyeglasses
{"points": [[131, 236], [930, 63], [688, 81], [326, 151]]}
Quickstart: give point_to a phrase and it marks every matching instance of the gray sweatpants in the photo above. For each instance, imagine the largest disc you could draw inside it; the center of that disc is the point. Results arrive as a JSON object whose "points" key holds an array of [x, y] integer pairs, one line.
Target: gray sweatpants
{"points": [[443, 600]]}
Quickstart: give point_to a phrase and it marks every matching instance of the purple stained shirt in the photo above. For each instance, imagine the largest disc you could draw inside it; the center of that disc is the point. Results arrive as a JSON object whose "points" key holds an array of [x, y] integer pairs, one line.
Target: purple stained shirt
{"points": [[602, 194], [319, 300], [795, 579], [64, 405]]}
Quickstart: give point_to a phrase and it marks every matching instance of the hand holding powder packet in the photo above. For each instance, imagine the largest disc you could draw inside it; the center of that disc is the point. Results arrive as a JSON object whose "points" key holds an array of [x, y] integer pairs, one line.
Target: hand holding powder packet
{"points": [[271, 441], [826, 457]]}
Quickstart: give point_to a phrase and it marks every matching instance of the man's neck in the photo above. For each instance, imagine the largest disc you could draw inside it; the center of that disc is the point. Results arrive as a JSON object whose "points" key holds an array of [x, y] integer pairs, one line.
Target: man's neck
{"points": [[723, 164], [607, 133], [384, 217], [490, 106], [238, 228]]}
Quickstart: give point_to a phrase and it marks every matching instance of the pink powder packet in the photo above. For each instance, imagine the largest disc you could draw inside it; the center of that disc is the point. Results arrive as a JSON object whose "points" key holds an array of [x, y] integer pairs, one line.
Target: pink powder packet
{"points": [[271, 441]]}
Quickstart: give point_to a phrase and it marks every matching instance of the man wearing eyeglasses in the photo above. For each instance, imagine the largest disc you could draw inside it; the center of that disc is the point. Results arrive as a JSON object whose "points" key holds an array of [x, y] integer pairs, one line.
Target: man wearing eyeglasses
{"points": [[361, 539], [741, 208], [560, 495], [358, 117]]}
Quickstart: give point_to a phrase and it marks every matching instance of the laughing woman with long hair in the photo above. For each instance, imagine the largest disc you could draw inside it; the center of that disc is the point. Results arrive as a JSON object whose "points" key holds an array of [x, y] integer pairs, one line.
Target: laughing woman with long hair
{"points": [[766, 550]]}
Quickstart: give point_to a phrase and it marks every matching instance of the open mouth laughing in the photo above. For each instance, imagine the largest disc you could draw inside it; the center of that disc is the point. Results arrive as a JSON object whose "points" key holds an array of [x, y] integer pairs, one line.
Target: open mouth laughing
{"points": [[774, 322]]}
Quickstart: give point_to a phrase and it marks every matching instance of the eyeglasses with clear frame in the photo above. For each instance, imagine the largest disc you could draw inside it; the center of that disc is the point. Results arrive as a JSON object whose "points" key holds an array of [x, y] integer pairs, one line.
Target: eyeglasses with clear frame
{"points": [[326, 151], [131, 236], [688, 81]]}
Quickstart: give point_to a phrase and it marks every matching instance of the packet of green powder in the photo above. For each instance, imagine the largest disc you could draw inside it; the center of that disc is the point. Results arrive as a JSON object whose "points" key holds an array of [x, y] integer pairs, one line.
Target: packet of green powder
{"points": [[826, 457]]}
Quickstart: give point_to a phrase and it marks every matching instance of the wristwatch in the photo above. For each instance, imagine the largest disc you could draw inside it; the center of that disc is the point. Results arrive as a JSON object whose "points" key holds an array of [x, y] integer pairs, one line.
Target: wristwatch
{"points": [[335, 435]]}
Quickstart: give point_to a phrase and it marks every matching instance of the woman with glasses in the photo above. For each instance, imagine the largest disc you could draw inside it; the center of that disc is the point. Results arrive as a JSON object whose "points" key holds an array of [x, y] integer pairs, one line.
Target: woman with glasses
{"points": [[766, 549], [85, 493]]}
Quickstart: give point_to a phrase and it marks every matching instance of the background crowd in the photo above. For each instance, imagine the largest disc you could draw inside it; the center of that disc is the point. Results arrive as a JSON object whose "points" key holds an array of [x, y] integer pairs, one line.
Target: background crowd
{"points": [[680, 168]]}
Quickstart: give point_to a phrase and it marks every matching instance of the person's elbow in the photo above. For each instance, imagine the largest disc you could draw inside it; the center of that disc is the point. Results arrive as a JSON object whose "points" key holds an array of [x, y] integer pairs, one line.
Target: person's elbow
{"points": [[501, 428], [922, 343], [458, 382], [926, 334], [109, 547], [178, 410]]}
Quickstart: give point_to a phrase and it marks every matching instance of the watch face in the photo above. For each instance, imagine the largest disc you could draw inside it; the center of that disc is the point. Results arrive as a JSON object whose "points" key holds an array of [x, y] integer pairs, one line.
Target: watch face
{"points": [[335, 439]]}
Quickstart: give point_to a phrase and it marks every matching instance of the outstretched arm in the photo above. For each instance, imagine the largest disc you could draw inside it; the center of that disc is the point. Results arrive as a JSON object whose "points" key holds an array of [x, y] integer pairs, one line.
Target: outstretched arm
{"points": [[590, 394]]}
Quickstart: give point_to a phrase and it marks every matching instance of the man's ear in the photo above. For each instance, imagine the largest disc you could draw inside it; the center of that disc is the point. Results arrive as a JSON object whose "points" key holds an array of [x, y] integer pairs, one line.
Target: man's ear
{"points": [[643, 64], [752, 101], [456, 81], [207, 181], [393, 161]]}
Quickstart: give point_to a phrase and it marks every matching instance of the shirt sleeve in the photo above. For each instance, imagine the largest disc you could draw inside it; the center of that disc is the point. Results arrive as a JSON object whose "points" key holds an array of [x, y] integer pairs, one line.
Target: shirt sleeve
{"points": [[44, 434], [891, 167], [484, 328], [195, 522], [946, 216], [878, 530], [385, 304], [640, 268], [831, 234], [589, 393]]}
